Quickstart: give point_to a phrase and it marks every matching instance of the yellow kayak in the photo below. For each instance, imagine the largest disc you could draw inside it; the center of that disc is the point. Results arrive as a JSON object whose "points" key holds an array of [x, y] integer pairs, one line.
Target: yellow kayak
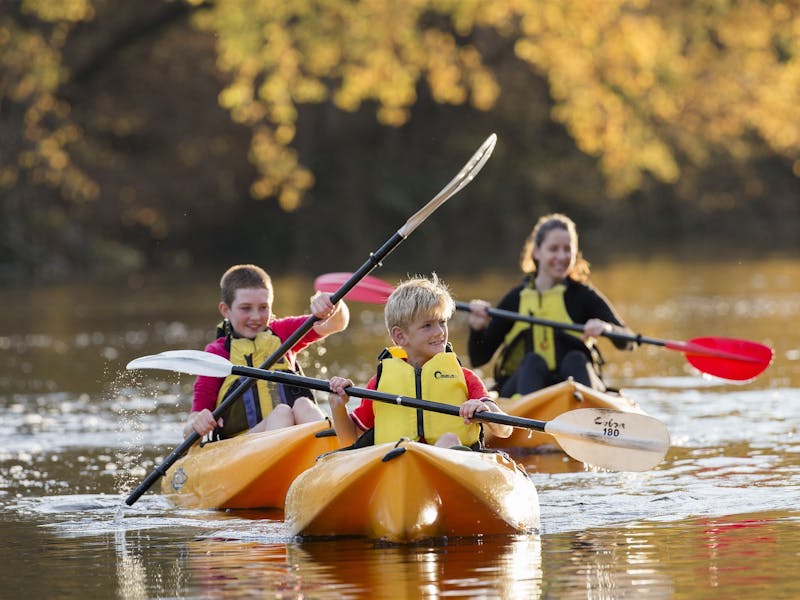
{"points": [[547, 404], [409, 491], [248, 471]]}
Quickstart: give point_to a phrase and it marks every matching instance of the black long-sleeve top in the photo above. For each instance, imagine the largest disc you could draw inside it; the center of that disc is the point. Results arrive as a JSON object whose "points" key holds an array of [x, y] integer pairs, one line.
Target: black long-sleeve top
{"points": [[582, 301]]}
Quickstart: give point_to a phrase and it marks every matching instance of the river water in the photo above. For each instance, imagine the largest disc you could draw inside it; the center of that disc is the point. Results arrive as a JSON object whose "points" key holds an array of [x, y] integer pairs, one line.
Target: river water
{"points": [[719, 518]]}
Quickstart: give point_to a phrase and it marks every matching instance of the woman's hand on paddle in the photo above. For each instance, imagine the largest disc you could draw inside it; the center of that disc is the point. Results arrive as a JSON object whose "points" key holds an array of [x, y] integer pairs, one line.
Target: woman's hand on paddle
{"points": [[595, 328], [478, 316]]}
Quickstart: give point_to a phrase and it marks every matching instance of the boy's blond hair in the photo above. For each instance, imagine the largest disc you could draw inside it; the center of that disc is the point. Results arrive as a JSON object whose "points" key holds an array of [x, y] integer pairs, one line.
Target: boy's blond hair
{"points": [[243, 277], [418, 296]]}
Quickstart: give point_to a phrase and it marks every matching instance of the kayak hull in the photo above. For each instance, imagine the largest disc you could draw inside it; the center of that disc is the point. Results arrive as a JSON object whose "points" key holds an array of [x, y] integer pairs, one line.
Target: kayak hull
{"points": [[408, 491], [248, 471]]}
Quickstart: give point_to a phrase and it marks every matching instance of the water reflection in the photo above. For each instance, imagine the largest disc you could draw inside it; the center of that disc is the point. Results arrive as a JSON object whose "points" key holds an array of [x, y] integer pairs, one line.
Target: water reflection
{"points": [[606, 564], [131, 573], [484, 568], [733, 552], [740, 556], [745, 552]]}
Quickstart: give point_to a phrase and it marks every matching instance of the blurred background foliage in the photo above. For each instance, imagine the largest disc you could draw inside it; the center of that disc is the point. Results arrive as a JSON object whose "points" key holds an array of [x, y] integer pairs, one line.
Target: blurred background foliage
{"points": [[300, 134]]}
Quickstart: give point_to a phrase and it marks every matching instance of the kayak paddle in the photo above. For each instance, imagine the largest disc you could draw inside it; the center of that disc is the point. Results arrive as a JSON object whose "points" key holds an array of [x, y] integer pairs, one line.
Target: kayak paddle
{"points": [[609, 439], [462, 178], [726, 358]]}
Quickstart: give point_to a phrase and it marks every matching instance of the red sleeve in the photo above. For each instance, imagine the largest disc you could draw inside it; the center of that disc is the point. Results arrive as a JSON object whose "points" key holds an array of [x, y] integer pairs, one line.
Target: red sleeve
{"points": [[364, 415], [476, 389], [206, 389]]}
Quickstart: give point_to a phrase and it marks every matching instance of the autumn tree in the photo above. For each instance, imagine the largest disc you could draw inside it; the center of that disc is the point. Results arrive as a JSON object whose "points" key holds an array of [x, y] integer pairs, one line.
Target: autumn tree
{"points": [[653, 91]]}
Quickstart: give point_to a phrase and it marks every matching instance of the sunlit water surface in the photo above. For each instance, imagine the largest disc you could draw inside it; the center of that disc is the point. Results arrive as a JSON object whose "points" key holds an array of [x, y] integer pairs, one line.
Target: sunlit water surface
{"points": [[717, 519]]}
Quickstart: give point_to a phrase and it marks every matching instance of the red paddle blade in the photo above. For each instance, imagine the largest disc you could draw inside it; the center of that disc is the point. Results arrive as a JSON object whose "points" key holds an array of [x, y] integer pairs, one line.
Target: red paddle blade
{"points": [[369, 289], [728, 358]]}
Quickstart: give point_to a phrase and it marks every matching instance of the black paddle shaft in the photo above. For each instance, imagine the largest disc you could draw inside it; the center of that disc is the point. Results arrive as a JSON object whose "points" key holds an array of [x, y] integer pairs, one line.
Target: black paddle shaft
{"points": [[323, 386], [515, 316]]}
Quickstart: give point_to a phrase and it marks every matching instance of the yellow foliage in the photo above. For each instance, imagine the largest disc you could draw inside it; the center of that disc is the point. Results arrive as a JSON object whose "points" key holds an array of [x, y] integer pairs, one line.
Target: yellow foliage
{"points": [[636, 83], [63, 10], [351, 52], [281, 174], [8, 177], [236, 94]]}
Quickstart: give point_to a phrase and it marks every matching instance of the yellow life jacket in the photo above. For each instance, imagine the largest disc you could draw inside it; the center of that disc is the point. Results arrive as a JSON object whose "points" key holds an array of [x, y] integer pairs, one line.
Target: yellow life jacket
{"points": [[525, 337], [440, 380], [259, 400]]}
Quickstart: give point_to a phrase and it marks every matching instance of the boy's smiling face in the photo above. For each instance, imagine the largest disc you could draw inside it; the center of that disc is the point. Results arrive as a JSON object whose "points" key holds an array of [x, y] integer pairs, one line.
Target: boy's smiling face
{"points": [[423, 338], [250, 311]]}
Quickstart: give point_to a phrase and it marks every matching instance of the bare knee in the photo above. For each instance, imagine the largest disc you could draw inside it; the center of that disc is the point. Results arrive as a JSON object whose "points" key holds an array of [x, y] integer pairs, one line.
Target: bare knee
{"points": [[448, 440], [306, 411], [281, 416]]}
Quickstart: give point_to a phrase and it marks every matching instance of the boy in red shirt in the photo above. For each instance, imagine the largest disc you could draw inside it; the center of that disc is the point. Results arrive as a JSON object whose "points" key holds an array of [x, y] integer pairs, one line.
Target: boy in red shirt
{"points": [[249, 335], [420, 365]]}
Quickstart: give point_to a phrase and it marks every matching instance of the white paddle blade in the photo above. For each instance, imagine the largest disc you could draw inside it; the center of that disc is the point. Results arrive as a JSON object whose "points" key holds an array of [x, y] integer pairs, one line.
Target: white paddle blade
{"points": [[611, 439], [193, 362], [464, 176]]}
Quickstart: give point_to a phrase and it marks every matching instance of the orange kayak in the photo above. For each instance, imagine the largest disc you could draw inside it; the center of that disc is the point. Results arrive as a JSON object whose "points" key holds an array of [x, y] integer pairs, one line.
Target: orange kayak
{"points": [[547, 404], [248, 471], [408, 491]]}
